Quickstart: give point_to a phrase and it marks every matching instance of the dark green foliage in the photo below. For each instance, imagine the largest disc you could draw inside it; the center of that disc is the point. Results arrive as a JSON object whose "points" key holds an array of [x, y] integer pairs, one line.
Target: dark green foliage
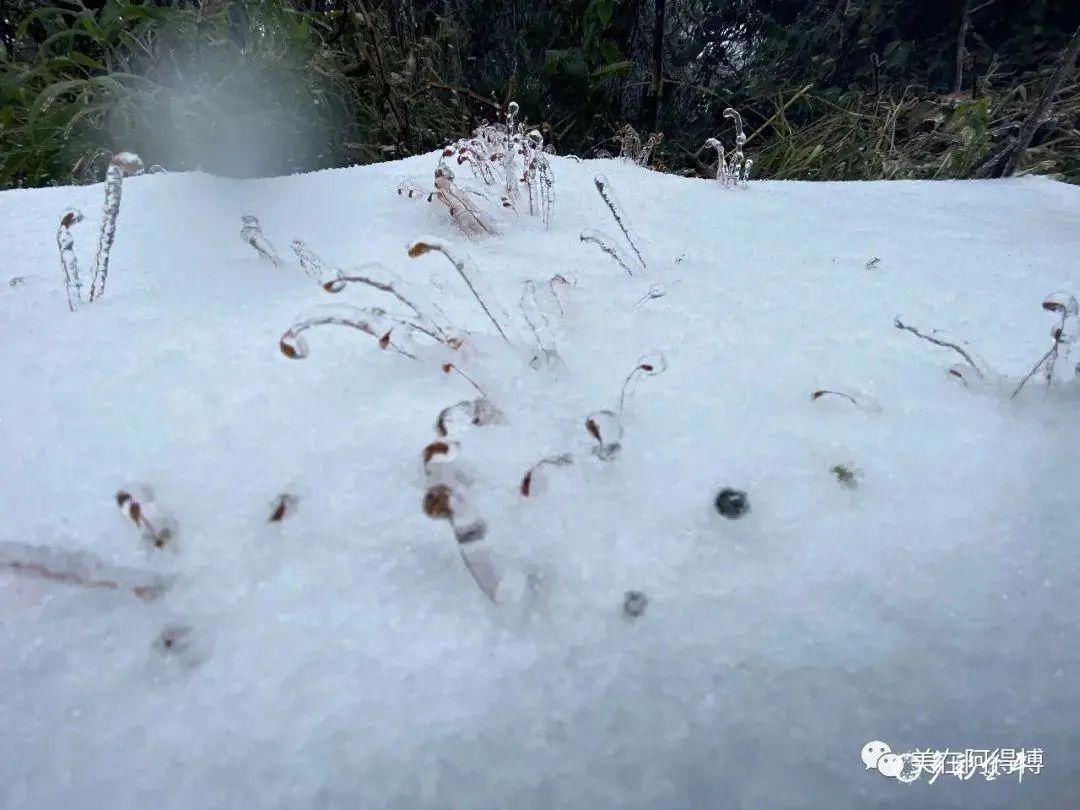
{"points": [[245, 88]]}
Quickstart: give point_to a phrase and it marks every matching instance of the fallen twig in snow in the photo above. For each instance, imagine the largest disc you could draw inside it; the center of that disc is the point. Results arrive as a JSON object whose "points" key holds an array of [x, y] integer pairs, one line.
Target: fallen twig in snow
{"points": [[283, 506], [609, 246], [564, 460], [943, 343], [80, 568], [251, 232], [469, 276], [68, 260], [156, 526], [607, 194], [1066, 306], [123, 164]]}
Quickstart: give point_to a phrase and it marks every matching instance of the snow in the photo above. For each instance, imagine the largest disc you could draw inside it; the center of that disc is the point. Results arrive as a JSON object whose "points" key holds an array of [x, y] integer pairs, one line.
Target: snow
{"points": [[344, 657]]}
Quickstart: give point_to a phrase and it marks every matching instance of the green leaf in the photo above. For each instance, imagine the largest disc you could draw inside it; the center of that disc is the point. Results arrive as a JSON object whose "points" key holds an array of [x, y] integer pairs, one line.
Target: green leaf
{"points": [[624, 68], [605, 10]]}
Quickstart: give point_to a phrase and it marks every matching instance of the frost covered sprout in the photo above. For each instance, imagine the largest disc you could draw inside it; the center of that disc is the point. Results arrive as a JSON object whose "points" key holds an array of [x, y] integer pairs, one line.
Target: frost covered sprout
{"points": [[1063, 335], [631, 150], [509, 169], [733, 172], [607, 243], [68, 260], [123, 164]]}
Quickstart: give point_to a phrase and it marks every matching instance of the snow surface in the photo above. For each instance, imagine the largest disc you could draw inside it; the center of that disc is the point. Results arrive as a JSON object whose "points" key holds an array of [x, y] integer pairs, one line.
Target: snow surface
{"points": [[344, 658]]}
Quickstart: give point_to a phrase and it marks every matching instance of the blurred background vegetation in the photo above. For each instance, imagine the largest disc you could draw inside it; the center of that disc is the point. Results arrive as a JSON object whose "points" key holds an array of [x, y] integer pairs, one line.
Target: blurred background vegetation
{"points": [[829, 89]]}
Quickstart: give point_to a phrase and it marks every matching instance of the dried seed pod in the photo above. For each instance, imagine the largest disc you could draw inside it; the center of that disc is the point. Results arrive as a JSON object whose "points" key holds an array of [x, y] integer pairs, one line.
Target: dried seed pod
{"points": [[437, 502], [283, 506], [157, 527], [606, 428], [634, 604]]}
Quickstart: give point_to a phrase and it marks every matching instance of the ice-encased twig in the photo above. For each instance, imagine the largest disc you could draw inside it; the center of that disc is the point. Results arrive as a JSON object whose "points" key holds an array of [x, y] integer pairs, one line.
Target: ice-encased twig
{"points": [[606, 427], [80, 568], [68, 260], [607, 194], [648, 365], [398, 289], [310, 261], [469, 412], [537, 321], [371, 321], [251, 232], [471, 279], [1065, 305], [607, 244], [939, 342], [123, 164], [563, 460], [452, 504]]}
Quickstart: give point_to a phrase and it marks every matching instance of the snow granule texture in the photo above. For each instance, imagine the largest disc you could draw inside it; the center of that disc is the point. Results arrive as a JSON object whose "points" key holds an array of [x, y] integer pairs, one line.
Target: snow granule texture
{"points": [[344, 658]]}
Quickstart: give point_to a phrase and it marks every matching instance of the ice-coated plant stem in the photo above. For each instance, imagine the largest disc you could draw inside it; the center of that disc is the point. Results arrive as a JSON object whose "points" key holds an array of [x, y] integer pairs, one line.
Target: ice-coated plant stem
{"points": [[122, 165]]}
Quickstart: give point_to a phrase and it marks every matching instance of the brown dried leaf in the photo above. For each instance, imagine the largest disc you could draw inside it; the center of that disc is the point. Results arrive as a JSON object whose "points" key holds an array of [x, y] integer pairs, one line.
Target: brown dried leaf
{"points": [[419, 249], [526, 484]]}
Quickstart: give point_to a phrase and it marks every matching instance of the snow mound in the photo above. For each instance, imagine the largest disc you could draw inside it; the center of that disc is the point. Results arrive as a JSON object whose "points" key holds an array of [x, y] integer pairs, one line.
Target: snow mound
{"points": [[907, 570]]}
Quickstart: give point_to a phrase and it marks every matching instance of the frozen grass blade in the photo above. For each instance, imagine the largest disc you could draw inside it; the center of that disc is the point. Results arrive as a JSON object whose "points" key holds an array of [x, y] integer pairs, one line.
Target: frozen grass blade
{"points": [[81, 569], [607, 194], [469, 276], [251, 232], [68, 260], [609, 246], [124, 164]]}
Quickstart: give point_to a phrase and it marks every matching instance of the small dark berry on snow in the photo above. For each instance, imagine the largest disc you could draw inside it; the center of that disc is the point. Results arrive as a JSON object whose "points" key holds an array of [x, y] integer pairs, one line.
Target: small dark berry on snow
{"points": [[732, 503], [634, 603]]}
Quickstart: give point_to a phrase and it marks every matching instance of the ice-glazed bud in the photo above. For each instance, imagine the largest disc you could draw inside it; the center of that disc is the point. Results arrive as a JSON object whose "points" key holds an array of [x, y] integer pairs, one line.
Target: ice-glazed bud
{"points": [[294, 346]]}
